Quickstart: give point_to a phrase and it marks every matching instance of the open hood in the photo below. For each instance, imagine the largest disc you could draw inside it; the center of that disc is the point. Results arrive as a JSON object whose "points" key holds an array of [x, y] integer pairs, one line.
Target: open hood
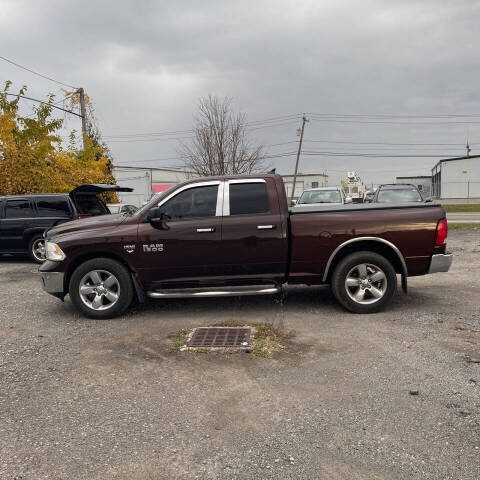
{"points": [[95, 188]]}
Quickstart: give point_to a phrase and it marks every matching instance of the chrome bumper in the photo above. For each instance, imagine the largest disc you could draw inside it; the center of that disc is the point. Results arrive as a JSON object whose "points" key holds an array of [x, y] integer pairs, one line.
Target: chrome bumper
{"points": [[52, 282], [440, 263]]}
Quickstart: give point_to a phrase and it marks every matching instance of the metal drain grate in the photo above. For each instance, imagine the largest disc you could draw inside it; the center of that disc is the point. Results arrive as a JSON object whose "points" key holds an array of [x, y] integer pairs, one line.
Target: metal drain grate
{"points": [[219, 337]]}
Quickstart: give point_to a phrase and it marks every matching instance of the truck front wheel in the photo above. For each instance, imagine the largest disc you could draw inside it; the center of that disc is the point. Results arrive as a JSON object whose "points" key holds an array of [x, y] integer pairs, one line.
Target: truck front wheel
{"points": [[36, 249], [364, 282], [101, 288]]}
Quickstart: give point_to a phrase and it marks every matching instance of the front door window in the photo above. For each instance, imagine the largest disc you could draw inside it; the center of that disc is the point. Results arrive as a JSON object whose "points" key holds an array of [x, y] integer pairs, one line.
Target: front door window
{"points": [[196, 202]]}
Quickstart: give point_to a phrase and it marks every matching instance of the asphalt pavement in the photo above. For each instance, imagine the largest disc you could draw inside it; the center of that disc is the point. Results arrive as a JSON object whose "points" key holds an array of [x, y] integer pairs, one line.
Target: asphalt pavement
{"points": [[394, 395], [463, 217]]}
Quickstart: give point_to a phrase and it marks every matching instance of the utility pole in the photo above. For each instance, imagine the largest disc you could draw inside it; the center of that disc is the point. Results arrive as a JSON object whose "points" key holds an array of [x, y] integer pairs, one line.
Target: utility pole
{"points": [[304, 121], [83, 112]]}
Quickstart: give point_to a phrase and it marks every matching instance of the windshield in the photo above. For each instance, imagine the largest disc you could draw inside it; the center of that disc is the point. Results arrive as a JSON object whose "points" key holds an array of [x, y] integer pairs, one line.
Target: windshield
{"points": [[149, 204], [399, 195], [320, 196]]}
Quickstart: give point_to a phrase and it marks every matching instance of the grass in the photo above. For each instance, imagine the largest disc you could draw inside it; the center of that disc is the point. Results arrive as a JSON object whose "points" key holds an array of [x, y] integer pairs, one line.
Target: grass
{"points": [[462, 226], [178, 339], [266, 340], [462, 208]]}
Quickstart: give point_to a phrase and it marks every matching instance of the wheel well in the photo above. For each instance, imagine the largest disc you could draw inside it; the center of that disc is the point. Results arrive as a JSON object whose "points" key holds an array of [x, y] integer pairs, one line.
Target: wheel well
{"points": [[369, 246], [88, 256], [30, 234]]}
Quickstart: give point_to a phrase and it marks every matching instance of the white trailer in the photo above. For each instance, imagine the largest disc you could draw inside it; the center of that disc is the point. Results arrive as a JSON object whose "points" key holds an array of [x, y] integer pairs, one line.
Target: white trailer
{"points": [[354, 187]]}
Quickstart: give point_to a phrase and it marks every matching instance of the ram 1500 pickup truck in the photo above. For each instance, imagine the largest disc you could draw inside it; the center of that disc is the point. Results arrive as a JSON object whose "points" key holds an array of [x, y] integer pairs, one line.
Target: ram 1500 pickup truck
{"points": [[220, 236]]}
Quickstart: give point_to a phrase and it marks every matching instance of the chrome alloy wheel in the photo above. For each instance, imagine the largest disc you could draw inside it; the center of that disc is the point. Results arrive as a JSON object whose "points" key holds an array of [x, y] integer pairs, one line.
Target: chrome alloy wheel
{"points": [[99, 290], [38, 249], [366, 283]]}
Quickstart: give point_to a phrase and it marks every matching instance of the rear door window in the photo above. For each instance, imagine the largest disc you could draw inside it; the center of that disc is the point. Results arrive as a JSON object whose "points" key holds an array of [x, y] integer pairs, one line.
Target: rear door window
{"points": [[53, 207], [18, 209], [248, 198]]}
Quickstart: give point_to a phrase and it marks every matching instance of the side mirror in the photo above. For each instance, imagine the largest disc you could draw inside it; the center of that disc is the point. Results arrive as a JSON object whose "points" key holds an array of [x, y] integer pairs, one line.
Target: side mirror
{"points": [[157, 219], [348, 200], [429, 199], [294, 202]]}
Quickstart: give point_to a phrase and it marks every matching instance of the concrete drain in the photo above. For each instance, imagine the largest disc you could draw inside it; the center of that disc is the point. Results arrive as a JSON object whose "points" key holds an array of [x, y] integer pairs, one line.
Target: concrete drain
{"points": [[220, 337]]}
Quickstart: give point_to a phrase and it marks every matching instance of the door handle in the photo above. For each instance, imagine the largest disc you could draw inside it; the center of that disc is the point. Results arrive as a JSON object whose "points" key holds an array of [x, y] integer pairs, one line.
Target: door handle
{"points": [[265, 227], [205, 230]]}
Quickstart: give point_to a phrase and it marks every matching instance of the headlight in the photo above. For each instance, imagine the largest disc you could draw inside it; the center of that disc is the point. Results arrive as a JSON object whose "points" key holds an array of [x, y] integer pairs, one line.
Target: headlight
{"points": [[54, 252]]}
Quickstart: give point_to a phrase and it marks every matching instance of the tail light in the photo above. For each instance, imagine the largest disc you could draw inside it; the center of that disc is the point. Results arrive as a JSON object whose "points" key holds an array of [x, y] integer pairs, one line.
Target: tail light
{"points": [[84, 216], [442, 232]]}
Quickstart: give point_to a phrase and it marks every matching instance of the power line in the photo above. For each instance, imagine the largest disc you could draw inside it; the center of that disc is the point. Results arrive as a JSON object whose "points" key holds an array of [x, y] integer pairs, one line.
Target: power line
{"points": [[272, 119], [383, 122], [389, 143], [393, 115], [44, 103], [36, 73], [53, 104], [279, 155], [254, 125], [373, 155], [145, 139]]}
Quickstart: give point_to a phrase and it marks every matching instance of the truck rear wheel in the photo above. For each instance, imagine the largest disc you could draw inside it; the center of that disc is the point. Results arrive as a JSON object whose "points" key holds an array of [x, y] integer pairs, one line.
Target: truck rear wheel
{"points": [[101, 288], [364, 282]]}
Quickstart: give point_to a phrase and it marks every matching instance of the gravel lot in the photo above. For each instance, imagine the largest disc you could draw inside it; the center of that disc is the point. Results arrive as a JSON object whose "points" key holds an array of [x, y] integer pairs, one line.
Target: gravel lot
{"points": [[85, 399]]}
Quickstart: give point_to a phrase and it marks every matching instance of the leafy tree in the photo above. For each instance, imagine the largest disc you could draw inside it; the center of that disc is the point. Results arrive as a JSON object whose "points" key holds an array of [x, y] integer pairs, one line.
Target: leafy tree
{"points": [[33, 158]]}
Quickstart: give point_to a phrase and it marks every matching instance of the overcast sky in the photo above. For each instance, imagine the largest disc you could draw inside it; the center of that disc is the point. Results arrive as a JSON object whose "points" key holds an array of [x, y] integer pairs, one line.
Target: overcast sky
{"points": [[146, 63]]}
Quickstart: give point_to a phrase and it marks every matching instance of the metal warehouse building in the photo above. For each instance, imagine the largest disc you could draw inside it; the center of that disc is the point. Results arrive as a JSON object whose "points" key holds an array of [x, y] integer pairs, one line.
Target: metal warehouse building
{"points": [[304, 181], [457, 178], [146, 181]]}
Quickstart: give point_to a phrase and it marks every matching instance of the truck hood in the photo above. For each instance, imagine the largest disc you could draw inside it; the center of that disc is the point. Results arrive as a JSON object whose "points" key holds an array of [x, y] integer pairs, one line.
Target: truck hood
{"points": [[87, 224]]}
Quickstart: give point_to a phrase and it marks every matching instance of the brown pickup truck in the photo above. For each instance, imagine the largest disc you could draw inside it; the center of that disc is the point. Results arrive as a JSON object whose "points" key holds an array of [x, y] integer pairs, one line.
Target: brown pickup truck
{"points": [[220, 236]]}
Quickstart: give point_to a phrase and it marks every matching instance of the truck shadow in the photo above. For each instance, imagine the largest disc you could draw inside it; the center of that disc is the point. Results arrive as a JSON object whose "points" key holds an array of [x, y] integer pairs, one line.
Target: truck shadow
{"points": [[297, 297]]}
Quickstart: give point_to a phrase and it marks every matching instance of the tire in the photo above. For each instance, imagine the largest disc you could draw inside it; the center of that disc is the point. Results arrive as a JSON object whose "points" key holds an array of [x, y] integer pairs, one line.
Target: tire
{"points": [[101, 288], [36, 248], [364, 282]]}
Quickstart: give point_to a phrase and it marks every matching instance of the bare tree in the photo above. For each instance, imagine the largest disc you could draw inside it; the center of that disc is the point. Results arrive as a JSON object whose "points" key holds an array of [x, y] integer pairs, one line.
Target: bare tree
{"points": [[219, 145]]}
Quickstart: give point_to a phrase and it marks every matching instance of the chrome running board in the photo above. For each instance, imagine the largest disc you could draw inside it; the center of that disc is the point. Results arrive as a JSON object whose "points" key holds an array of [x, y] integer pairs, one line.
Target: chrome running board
{"points": [[215, 291]]}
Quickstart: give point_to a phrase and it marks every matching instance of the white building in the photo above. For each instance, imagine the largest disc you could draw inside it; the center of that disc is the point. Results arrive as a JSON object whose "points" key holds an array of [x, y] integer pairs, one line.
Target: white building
{"points": [[457, 178], [304, 181], [140, 179], [145, 182]]}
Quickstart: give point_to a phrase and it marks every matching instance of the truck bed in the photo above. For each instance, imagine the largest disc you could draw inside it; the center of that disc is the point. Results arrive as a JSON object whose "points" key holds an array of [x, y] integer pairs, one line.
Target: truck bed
{"points": [[359, 207], [317, 232]]}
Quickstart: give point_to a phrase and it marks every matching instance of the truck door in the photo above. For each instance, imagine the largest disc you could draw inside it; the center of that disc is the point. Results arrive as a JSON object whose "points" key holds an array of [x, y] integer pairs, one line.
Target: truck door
{"points": [[187, 250], [254, 243]]}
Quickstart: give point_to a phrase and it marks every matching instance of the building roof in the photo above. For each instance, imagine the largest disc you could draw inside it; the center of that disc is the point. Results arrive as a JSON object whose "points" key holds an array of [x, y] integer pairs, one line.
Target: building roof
{"points": [[414, 176], [153, 168], [304, 174], [455, 158]]}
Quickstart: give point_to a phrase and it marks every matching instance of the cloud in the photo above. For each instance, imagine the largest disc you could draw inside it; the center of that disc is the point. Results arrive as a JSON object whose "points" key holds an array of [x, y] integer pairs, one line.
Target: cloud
{"points": [[146, 63]]}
